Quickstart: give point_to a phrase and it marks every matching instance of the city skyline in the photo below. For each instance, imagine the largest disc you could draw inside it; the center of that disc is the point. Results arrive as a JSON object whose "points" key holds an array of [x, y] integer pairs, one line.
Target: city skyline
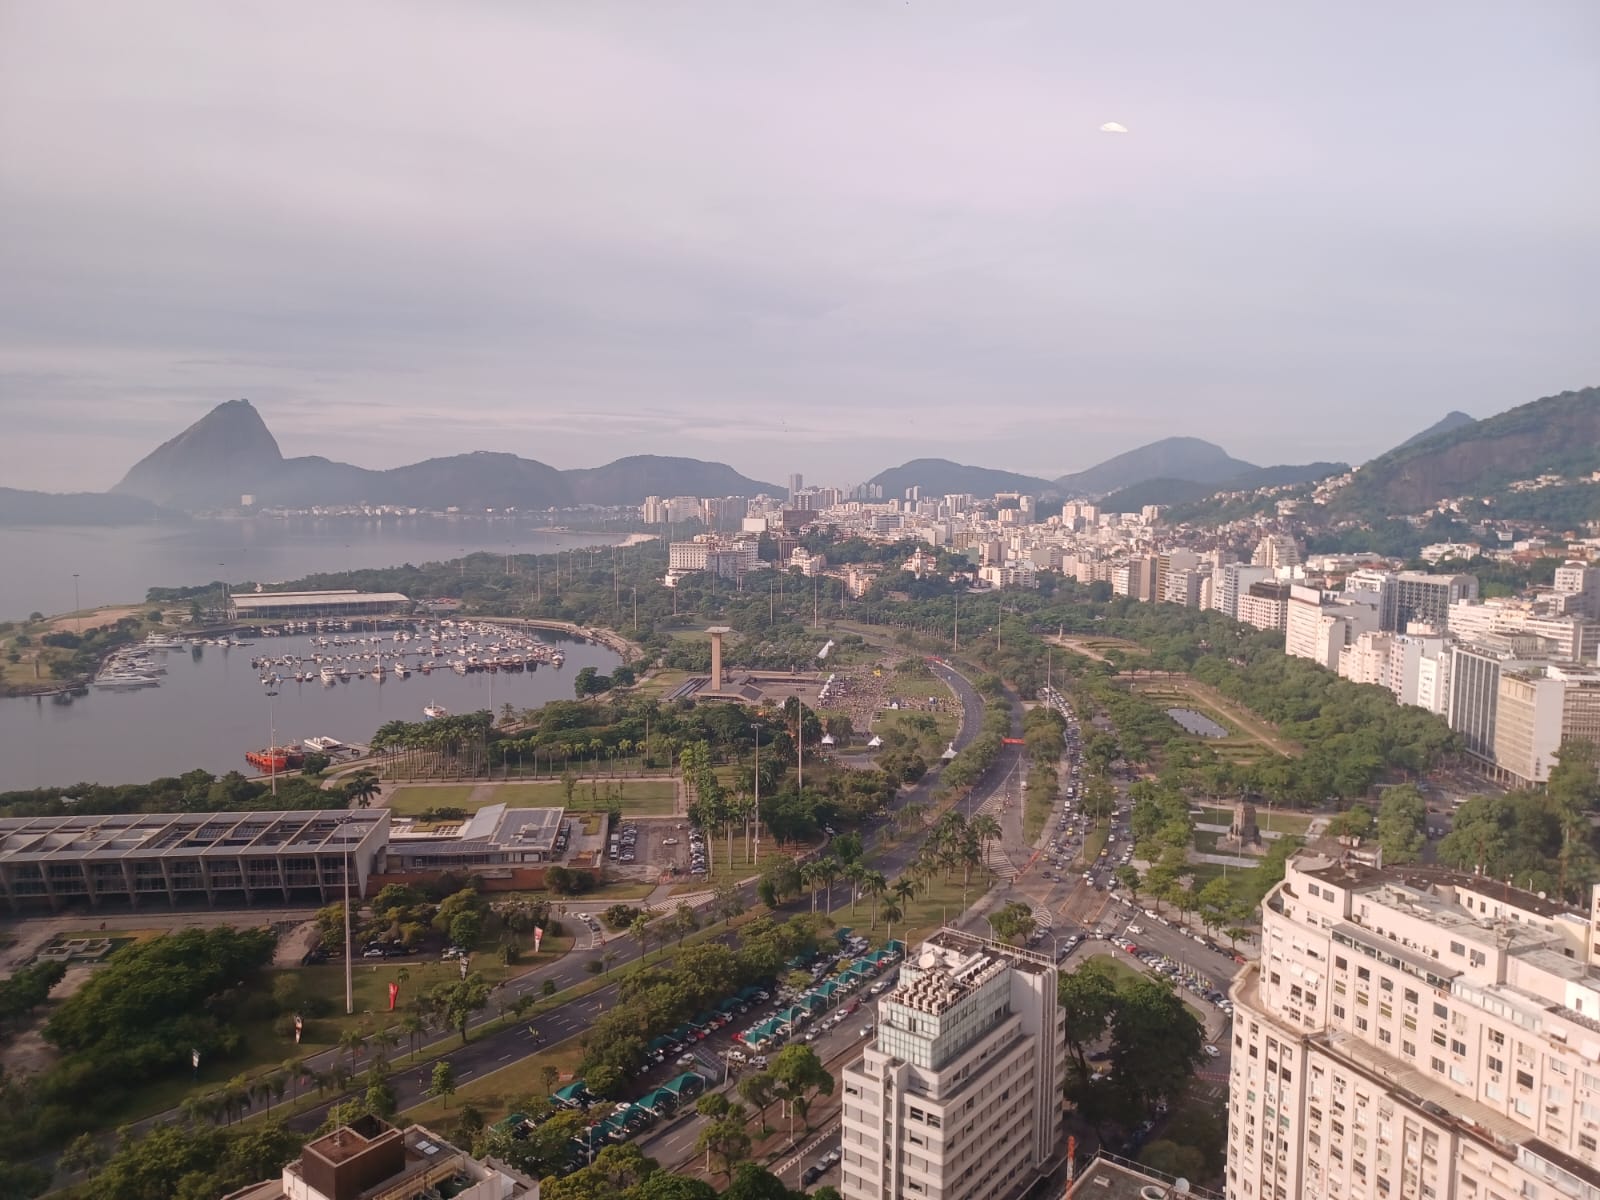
{"points": [[410, 235]]}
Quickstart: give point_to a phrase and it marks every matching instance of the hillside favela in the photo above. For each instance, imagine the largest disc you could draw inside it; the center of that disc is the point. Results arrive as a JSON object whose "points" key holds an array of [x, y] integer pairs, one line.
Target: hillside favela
{"points": [[916, 601]]}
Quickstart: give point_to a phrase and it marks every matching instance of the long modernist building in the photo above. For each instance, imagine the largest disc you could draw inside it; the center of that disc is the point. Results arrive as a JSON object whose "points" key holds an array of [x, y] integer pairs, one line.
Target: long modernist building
{"points": [[186, 859], [310, 606]]}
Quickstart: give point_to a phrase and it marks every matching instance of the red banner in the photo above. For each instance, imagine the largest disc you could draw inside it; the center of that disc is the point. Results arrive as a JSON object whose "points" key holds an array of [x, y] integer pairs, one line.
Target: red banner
{"points": [[299, 1027], [394, 994], [538, 937]]}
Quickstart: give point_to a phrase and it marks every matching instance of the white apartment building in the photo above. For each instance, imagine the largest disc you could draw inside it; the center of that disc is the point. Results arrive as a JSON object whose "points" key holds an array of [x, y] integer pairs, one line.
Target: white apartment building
{"points": [[1266, 606], [958, 1095], [1580, 584], [1368, 660], [1433, 683], [1232, 584], [1277, 550], [1320, 624], [1415, 1035]]}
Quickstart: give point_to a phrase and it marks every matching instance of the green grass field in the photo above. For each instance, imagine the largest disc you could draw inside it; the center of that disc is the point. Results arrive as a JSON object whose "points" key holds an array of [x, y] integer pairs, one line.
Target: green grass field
{"points": [[1120, 971], [497, 1094], [409, 801], [647, 797], [1093, 843], [264, 1049]]}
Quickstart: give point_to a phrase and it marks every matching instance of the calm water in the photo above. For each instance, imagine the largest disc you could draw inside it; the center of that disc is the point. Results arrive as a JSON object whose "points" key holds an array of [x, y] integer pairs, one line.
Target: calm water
{"points": [[118, 565], [211, 708], [1197, 723]]}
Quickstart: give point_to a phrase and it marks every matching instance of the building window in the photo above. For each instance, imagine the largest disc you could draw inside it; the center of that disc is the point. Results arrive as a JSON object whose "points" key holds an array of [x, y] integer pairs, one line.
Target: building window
{"points": [[1524, 1079], [1441, 1011], [1458, 949]]}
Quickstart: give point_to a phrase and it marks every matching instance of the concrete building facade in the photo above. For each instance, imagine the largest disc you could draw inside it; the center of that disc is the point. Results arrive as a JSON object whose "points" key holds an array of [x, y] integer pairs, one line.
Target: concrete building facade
{"points": [[1415, 1035], [958, 1095], [188, 859]]}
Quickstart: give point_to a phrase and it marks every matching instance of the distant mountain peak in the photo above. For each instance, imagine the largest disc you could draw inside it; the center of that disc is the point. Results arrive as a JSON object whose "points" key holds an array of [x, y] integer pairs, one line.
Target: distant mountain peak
{"points": [[941, 477], [1452, 420], [229, 452], [229, 448], [1190, 459]]}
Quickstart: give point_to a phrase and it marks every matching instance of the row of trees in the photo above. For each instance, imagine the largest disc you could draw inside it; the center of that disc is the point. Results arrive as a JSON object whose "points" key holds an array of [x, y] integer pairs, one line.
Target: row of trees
{"points": [[137, 1019]]}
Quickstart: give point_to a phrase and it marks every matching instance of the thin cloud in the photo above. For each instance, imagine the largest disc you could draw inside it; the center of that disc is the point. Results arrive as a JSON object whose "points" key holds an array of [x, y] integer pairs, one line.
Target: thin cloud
{"points": [[416, 232]]}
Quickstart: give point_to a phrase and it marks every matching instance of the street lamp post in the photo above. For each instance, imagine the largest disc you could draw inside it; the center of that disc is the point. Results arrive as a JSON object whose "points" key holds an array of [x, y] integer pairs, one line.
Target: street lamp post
{"points": [[349, 955], [757, 855]]}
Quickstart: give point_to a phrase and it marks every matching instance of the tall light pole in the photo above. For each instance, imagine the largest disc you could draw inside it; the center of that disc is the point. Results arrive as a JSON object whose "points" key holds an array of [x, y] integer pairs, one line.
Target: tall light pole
{"points": [[799, 744], [757, 856], [349, 955], [272, 743]]}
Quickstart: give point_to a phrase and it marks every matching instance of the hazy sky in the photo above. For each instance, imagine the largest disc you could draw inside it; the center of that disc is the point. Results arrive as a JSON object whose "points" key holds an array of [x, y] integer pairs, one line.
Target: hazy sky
{"points": [[813, 236]]}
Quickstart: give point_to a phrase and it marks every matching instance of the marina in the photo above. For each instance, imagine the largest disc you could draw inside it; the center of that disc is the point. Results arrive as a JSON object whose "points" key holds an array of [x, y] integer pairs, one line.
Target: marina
{"points": [[158, 709]]}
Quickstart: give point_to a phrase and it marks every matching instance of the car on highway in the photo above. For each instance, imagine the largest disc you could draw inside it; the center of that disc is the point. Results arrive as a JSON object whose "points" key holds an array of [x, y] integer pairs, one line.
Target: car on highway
{"points": [[1212, 1051]]}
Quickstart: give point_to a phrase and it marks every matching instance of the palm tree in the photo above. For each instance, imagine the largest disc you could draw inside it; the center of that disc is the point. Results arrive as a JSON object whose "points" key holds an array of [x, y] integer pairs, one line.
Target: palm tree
{"points": [[294, 1069], [640, 928], [875, 885], [854, 874], [904, 890], [414, 1027], [891, 912], [828, 870], [811, 879], [362, 788], [353, 1041], [987, 830]]}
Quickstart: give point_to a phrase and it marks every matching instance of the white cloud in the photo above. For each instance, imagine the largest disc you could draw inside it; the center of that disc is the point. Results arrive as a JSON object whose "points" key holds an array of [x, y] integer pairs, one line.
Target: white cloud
{"points": [[1113, 127]]}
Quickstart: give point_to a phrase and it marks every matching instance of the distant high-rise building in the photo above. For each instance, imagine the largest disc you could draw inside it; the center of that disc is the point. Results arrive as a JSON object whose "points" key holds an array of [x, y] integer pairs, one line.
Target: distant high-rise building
{"points": [[958, 1094], [1266, 605], [1579, 583], [1320, 624], [1277, 551], [797, 484], [1233, 582]]}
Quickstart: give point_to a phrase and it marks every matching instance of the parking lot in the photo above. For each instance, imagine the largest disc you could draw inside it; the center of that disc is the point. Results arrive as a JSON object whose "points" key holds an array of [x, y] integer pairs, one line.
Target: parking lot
{"points": [[650, 848]]}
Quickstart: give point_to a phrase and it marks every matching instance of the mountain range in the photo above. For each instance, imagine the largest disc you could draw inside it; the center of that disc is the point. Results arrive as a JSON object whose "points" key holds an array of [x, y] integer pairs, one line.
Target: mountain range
{"points": [[230, 452], [1170, 471], [1558, 435]]}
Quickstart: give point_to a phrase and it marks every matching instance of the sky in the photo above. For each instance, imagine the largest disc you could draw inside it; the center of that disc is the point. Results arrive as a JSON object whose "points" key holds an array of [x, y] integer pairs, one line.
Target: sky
{"points": [[815, 236]]}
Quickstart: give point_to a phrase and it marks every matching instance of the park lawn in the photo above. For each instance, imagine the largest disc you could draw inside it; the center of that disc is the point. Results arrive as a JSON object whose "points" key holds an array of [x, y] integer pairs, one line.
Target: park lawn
{"points": [[920, 686], [1241, 880], [1120, 971], [939, 904], [496, 1094], [642, 797], [616, 889], [1270, 820], [1094, 842], [1037, 806], [661, 682], [265, 1050], [409, 801]]}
